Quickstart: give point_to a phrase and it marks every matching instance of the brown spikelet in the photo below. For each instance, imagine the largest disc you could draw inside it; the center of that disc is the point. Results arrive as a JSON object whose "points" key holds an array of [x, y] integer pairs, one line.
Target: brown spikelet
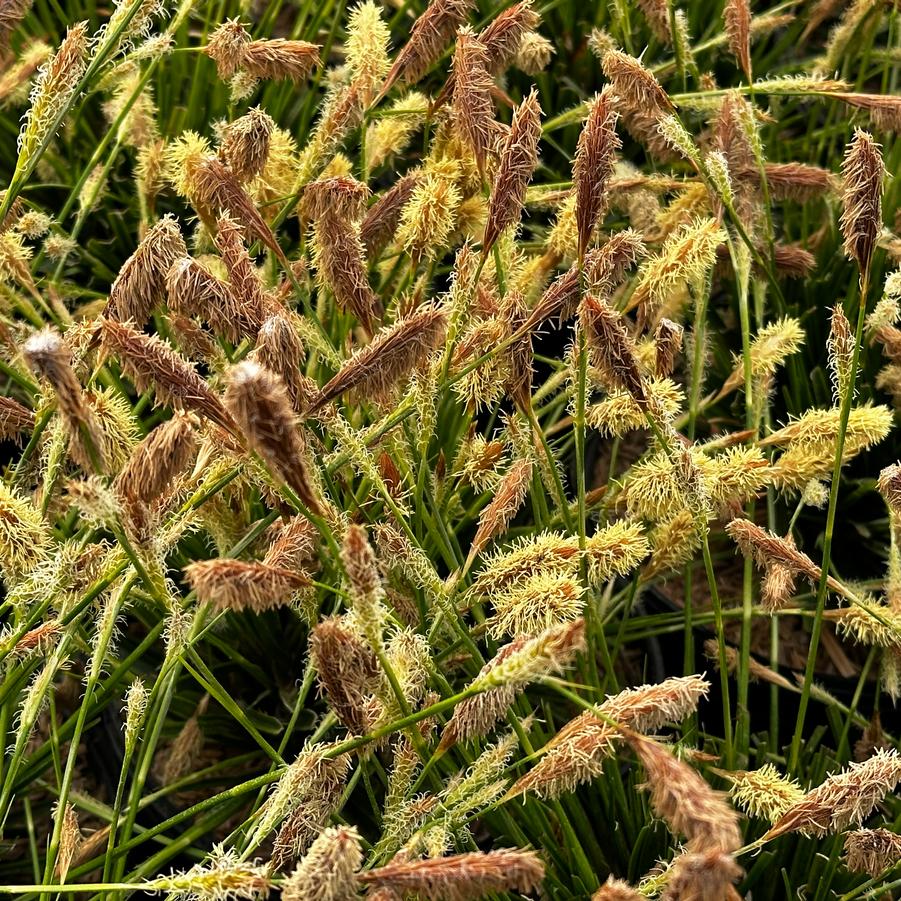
{"points": [[685, 801], [861, 220], [40, 639], [70, 839], [141, 282], [192, 339], [792, 181], [280, 350], [577, 752], [217, 189], [347, 671], [642, 102], [505, 504], [507, 673], [392, 354], [381, 221], [252, 304], [843, 799], [519, 156], [243, 584], [231, 48], [472, 104], [793, 261], [430, 35], [884, 109], [168, 450], [501, 38], [48, 354], [245, 144], [604, 267], [14, 419], [702, 877], [872, 851], [194, 291], [768, 549], [260, 404], [667, 344], [616, 890], [294, 546], [593, 165], [11, 14], [889, 485], [610, 346], [737, 18], [462, 876], [148, 361], [334, 205], [520, 357]]}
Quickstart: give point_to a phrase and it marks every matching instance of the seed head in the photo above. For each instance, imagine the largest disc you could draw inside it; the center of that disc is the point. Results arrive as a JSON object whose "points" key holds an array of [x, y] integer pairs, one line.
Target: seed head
{"points": [[610, 347], [518, 159], [245, 144], [462, 876], [763, 793], [845, 799], [141, 283], [147, 361], [243, 584], [872, 851], [261, 407], [593, 166], [328, 871], [383, 217], [392, 354], [222, 877], [368, 38], [472, 104], [430, 35], [861, 221], [616, 890], [737, 18]]}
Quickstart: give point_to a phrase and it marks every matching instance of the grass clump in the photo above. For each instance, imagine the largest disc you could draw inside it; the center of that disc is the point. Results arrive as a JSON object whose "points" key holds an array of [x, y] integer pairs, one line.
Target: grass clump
{"points": [[404, 406]]}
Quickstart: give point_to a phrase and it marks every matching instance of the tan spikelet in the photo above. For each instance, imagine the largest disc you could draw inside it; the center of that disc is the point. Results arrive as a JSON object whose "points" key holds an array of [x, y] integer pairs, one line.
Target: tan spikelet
{"points": [[70, 839], [472, 104], [11, 14], [141, 282], [381, 220], [737, 18], [249, 304], [610, 346], [245, 144], [508, 498], [231, 47], [328, 871], [616, 890], [280, 350], [872, 851]]}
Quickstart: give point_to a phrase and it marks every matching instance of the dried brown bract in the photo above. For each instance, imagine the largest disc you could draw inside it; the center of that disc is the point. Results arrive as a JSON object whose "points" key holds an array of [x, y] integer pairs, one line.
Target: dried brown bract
{"points": [[250, 303], [593, 165], [167, 451], [194, 291], [508, 498], [334, 205], [217, 189], [667, 344], [737, 18], [280, 350], [260, 404], [149, 361], [393, 354], [243, 584], [861, 222], [685, 801], [11, 14], [518, 158], [461, 876]]}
